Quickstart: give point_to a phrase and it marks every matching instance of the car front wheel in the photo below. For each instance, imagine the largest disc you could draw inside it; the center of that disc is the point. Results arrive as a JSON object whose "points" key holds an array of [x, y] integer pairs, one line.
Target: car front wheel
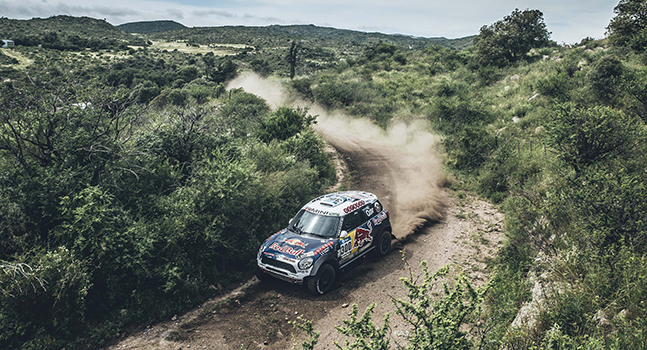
{"points": [[262, 276], [384, 245], [323, 281]]}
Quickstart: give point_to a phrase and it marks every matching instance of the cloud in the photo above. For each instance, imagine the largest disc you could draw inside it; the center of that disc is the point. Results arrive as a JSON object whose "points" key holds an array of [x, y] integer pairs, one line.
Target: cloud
{"points": [[264, 19], [175, 13], [44, 9], [216, 13]]}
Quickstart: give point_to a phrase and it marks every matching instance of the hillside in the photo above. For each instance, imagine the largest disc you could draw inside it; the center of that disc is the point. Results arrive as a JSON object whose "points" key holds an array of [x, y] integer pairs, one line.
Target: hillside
{"points": [[311, 35], [145, 27], [85, 27], [65, 32]]}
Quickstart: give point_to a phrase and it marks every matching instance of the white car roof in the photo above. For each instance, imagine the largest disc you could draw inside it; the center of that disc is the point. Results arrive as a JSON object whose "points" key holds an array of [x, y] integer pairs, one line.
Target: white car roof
{"points": [[340, 203]]}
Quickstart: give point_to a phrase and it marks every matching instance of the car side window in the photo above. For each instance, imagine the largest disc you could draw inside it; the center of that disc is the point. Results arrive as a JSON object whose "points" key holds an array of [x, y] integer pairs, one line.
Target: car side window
{"points": [[367, 212], [351, 221]]}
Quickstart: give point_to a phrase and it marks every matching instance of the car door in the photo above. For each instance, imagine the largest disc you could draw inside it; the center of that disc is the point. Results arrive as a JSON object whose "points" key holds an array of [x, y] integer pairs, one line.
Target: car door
{"points": [[347, 247]]}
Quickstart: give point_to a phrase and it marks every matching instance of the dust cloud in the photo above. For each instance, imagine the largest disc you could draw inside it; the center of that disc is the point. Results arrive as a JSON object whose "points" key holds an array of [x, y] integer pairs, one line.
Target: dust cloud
{"points": [[399, 164]]}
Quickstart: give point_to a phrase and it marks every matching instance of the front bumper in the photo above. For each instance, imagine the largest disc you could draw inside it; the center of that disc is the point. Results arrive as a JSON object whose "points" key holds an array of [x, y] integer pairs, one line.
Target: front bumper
{"points": [[296, 277]]}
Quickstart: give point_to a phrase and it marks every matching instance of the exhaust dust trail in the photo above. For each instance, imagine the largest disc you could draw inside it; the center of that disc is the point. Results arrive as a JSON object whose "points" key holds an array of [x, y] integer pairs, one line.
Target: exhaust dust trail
{"points": [[398, 164]]}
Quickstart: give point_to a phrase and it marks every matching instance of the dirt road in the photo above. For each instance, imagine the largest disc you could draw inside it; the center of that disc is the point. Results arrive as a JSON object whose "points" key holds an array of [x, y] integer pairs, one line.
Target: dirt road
{"points": [[461, 231]]}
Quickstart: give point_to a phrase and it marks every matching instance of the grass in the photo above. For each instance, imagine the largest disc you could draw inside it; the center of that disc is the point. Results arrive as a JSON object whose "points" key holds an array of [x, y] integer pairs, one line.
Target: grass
{"points": [[218, 50], [23, 62]]}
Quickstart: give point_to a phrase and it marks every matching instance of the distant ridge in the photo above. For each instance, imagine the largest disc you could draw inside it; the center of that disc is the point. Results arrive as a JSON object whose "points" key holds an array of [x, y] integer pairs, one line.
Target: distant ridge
{"points": [[278, 35], [145, 27]]}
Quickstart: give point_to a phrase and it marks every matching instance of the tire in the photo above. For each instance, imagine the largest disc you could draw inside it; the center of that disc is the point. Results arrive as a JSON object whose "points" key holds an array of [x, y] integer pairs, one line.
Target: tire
{"points": [[262, 276], [323, 281], [384, 244]]}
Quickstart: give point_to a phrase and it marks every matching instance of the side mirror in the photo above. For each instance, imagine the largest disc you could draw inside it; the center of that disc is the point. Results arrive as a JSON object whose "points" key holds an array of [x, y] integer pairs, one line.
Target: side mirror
{"points": [[343, 234], [289, 222]]}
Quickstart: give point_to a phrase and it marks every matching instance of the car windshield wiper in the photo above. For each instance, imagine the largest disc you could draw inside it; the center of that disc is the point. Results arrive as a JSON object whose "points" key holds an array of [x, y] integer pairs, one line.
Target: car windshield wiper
{"points": [[316, 234]]}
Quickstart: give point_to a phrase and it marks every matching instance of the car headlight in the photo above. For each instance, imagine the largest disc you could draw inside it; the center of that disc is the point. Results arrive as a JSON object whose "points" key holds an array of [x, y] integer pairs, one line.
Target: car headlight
{"points": [[305, 264]]}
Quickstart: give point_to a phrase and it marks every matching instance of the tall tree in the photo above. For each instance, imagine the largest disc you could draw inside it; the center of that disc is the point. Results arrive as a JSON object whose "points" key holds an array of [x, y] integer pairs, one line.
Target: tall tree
{"points": [[628, 27], [508, 40], [292, 57]]}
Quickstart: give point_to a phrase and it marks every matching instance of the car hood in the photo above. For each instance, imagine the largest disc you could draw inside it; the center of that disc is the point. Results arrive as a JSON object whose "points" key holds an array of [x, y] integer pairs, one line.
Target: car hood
{"points": [[291, 244]]}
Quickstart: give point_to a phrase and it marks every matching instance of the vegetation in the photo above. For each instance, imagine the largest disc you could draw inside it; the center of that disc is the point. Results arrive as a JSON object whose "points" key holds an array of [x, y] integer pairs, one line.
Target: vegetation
{"points": [[627, 28], [279, 36], [144, 27], [556, 136], [128, 174], [67, 33], [509, 39], [134, 187]]}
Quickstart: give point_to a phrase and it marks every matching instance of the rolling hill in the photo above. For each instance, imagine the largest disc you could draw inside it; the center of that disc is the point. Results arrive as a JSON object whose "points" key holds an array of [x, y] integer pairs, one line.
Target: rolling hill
{"points": [[145, 27], [278, 35]]}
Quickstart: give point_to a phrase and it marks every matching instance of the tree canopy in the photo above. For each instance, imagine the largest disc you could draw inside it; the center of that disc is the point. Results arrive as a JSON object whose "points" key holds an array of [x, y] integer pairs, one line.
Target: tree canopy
{"points": [[627, 28], [508, 40]]}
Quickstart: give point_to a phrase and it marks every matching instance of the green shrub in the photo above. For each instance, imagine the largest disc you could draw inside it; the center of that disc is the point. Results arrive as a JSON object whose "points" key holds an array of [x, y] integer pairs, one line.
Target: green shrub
{"points": [[284, 123]]}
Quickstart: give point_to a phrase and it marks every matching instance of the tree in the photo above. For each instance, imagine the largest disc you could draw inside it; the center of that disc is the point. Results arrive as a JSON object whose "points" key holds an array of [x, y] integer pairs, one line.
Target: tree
{"points": [[627, 28], [509, 39], [225, 70], [292, 57]]}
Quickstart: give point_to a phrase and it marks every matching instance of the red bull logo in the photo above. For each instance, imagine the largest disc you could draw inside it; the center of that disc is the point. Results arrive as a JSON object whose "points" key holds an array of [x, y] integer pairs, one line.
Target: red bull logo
{"points": [[295, 242], [362, 236], [286, 249]]}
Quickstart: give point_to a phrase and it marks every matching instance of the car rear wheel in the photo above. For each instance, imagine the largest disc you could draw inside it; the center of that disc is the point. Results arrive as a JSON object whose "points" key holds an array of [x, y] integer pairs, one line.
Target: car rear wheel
{"points": [[384, 244], [323, 281]]}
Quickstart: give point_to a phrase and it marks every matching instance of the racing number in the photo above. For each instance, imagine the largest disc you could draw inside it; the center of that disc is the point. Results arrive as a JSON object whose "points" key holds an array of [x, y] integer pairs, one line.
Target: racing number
{"points": [[345, 247]]}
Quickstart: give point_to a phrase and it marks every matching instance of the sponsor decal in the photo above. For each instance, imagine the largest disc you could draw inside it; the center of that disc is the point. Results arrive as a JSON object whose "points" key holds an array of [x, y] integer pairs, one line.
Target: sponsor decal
{"points": [[286, 249], [362, 236], [283, 258], [379, 218], [320, 212], [345, 246], [369, 211], [268, 254], [295, 242], [321, 249], [354, 206]]}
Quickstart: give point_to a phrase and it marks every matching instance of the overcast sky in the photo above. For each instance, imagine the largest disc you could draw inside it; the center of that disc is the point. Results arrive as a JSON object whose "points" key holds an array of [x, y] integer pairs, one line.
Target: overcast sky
{"points": [[568, 20]]}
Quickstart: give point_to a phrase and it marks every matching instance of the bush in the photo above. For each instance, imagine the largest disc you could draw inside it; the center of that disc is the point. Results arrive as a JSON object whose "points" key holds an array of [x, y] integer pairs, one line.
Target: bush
{"points": [[284, 123]]}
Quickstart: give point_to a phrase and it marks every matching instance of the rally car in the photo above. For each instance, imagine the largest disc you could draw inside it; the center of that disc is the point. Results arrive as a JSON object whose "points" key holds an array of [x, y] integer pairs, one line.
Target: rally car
{"points": [[327, 237]]}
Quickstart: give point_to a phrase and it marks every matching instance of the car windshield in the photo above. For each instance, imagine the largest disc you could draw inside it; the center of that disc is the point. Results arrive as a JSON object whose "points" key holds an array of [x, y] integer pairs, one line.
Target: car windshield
{"points": [[318, 225]]}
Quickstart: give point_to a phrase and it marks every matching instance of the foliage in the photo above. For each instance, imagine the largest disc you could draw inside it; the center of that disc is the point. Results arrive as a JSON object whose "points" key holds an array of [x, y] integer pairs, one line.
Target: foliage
{"points": [[366, 335], [306, 326], [584, 137], [284, 123], [279, 36], [76, 33], [4, 59], [436, 322], [508, 40], [628, 27], [150, 26], [292, 57], [113, 213]]}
